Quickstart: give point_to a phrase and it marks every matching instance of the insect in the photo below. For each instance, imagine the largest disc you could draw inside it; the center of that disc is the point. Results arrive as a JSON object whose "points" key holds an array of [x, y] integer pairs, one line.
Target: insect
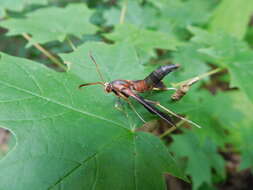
{"points": [[129, 88]]}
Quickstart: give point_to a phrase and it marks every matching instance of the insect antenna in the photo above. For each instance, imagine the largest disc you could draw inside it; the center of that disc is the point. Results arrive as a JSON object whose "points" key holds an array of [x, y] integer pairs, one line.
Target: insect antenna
{"points": [[97, 67], [93, 83], [98, 71]]}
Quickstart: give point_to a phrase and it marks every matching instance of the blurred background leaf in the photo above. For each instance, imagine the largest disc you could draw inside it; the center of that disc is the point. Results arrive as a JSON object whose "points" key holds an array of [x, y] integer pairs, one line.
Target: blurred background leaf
{"points": [[59, 27]]}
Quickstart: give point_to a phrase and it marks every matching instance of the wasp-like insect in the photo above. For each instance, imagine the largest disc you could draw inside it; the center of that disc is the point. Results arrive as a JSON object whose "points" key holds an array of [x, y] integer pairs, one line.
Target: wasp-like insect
{"points": [[129, 88]]}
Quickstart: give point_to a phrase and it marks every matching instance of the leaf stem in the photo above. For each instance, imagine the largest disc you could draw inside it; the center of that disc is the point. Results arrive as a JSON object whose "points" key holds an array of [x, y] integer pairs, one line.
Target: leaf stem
{"points": [[123, 12], [199, 77], [45, 52]]}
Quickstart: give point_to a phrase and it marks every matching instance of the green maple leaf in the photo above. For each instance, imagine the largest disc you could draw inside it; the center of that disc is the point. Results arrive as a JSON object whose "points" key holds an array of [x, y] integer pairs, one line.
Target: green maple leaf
{"points": [[179, 12], [242, 73], [72, 20], [75, 139], [19, 5], [228, 52], [207, 111], [141, 16], [191, 61], [211, 116], [239, 12], [218, 47], [144, 40], [241, 134], [202, 157], [176, 15]]}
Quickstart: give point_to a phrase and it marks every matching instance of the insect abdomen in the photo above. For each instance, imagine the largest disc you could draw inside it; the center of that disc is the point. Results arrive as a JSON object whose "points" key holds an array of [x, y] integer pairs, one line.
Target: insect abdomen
{"points": [[140, 86], [156, 76]]}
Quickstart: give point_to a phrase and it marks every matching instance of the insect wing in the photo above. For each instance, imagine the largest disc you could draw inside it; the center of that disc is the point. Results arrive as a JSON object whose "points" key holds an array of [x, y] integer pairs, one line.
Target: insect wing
{"points": [[153, 109]]}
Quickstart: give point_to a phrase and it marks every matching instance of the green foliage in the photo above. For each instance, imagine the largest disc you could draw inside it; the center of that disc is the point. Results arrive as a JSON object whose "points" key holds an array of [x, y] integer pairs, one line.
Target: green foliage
{"points": [[176, 15], [64, 138], [227, 11], [220, 47], [202, 157], [191, 61], [145, 41], [179, 14], [18, 5], [68, 138], [136, 14], [63, 22], [229, 52]]}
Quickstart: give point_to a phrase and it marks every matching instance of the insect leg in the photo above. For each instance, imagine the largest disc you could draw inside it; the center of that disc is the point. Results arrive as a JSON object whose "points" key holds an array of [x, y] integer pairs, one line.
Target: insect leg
{"points": [[165, 89], [174, 114], [133, 108], [118, 104], [151, 102], [162, 87]]}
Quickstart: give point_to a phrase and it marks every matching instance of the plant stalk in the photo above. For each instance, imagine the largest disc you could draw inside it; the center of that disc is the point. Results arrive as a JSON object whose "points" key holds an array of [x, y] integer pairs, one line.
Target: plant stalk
{"points": [[45, 52], [123, 12]]}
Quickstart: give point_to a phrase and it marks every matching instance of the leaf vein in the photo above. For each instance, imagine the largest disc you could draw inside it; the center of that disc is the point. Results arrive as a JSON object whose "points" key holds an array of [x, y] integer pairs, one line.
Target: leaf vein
{"points": [[31, 77], [134, 162], [96, 175], [83, 162], [61, 104]]}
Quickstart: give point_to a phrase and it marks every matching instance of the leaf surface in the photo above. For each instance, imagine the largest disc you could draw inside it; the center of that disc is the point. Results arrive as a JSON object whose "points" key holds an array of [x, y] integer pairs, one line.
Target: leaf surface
{"points": [[232, 16], [230, 53], [144, 40], [242, 73], [63, 22], [19, 5], [202, 157], [176, 15], [141, 16], [75, 139]]}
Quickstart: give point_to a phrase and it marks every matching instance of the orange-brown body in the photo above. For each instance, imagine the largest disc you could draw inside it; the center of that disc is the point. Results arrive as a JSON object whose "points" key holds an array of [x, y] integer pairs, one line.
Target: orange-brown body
{"points": [[129, 88], [126, 88]]}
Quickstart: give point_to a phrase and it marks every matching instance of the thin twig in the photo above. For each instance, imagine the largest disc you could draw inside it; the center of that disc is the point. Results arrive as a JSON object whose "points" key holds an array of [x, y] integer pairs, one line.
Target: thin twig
{"points": [[123, 12], [45, 52]]}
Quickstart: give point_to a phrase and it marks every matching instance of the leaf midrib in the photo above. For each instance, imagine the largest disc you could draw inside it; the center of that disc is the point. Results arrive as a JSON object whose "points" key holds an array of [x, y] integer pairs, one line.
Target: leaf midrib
{"points": [[63, 105], [86, 160]]}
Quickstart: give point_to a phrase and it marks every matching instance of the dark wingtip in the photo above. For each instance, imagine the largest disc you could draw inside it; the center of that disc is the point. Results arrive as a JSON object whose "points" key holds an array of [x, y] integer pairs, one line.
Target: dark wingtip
{"points": [[167, 119], [168, 68]]}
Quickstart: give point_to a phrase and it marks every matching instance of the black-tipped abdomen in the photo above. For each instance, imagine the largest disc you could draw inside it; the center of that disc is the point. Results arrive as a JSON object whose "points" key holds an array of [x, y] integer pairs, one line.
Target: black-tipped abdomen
{"points": [[156, 76]]}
